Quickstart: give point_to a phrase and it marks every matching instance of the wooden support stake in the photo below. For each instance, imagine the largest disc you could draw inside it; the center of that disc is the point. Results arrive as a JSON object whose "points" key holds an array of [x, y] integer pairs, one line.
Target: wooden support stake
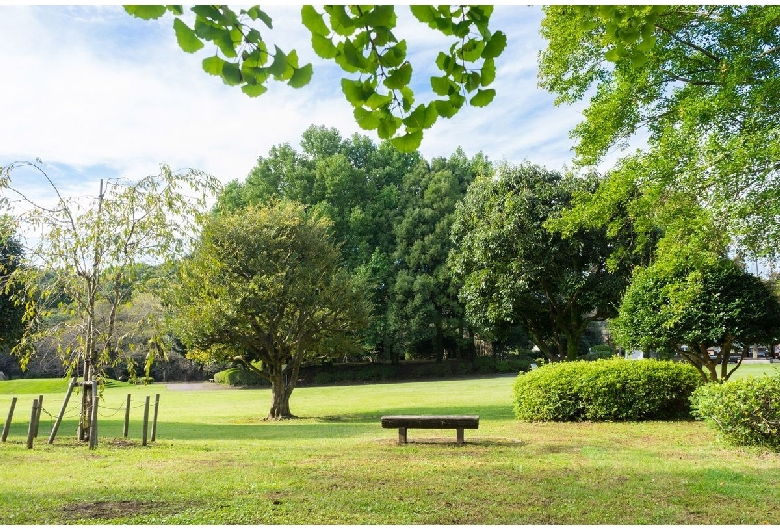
{"points": [[154, 421], [93, 425], [38, 419], [127, 417], [10, 417], [146, 421], [31, 427], [62, 410]]}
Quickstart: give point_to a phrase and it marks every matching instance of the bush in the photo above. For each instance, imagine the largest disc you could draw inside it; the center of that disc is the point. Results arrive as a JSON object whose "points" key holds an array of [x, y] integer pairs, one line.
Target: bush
{"points": [[606, 390], [599, 351], [239, 377], [745, 411], [324, 378]]}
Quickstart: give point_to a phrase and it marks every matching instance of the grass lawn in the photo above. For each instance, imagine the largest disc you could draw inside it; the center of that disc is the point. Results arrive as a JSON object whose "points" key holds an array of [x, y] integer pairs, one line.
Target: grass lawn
{"points": [[215, 461]]}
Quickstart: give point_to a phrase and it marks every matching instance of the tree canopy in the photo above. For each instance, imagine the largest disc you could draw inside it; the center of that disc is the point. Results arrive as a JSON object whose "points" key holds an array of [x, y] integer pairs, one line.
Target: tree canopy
{"points": [[359, 40], [516, 271], [700, 82], [690, 308], [264, 288]]}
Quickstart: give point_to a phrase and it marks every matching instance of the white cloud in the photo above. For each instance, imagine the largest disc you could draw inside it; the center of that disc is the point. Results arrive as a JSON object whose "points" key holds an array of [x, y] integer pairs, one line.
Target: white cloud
{"points": [[92, 87]]}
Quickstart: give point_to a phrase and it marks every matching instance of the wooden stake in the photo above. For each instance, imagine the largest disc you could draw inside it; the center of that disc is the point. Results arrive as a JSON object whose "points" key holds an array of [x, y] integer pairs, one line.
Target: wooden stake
{"points": [[10, 417], [154, 421], [62, 410], [127, 418], [38, 419], [31, 427], [146, 420], [93, 427]]}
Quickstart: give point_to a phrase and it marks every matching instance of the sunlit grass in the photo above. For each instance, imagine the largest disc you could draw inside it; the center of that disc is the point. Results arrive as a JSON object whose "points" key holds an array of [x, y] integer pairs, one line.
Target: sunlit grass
{"points": [[215, 461]]}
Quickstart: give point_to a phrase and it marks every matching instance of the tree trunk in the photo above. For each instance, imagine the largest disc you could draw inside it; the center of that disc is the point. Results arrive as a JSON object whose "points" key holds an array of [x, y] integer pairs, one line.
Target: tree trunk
{"points": [[280, 398]]}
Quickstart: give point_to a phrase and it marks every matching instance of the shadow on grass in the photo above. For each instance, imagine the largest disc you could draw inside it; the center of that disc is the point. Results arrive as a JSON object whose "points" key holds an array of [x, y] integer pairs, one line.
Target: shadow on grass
{"points": [[314, 427]]}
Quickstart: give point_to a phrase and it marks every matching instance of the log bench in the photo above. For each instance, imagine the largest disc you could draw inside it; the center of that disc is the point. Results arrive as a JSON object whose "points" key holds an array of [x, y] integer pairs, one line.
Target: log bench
{"points": [[402, 423]]}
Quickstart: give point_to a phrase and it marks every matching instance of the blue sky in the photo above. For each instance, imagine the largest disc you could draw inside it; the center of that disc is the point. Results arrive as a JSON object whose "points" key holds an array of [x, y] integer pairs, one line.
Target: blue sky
{"points": [[95, 94]]}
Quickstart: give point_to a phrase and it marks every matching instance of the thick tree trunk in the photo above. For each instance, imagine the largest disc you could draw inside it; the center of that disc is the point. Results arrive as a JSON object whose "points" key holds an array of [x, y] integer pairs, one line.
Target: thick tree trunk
{"points": [[280, 398]]}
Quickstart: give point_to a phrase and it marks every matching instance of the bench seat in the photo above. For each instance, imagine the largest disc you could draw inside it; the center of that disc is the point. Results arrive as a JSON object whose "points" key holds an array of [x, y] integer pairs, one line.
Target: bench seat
{"points": [[402, 423]]}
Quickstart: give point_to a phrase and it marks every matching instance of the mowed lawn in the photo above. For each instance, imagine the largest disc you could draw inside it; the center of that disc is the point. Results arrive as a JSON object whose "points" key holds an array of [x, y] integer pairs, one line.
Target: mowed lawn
{"points": [[215, 461]]}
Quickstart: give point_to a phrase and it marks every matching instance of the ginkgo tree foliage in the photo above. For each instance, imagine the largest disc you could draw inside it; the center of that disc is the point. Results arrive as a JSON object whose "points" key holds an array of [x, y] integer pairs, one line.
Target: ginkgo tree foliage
{"points": [[700, 82], [360, 40]]}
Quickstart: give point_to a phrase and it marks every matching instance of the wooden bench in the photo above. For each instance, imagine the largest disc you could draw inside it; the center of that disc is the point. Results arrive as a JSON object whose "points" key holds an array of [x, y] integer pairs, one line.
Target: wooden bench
{"points": [[402, 423]]}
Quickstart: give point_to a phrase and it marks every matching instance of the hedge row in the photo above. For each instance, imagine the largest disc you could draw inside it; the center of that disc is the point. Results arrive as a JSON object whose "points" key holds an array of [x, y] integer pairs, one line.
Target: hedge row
{"points": [[379, 372], [745, 411], [239, 377], [606, 390]]}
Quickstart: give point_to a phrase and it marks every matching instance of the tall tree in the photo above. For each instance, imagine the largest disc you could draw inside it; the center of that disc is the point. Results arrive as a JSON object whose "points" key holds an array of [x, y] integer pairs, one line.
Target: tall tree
{"points": [[264, 287], [360, 40], [700, 82], [358, 185], [425, 293], [516, 271], [691, 306], [87, 253]]}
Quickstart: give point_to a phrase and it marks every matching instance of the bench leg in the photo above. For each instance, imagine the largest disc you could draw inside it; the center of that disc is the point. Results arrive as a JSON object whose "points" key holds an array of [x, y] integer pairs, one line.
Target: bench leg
{"points": [[460, 435], [401, 435]]}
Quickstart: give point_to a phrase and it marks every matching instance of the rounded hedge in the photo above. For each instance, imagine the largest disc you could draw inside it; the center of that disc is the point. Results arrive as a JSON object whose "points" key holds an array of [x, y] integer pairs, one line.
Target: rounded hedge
{"points": [[606, 390], [239, 377], [745, 411]]}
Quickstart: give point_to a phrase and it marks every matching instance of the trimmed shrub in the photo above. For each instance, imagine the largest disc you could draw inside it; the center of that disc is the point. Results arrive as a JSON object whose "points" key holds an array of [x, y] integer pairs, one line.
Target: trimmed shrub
{"points": [[606, 390], [324, 378], [745, 411], [239, 377]]}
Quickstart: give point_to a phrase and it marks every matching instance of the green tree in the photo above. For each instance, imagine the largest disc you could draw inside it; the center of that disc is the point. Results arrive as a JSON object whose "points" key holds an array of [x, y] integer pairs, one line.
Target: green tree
{"points": [[689, 306], [87, 256], [360, 41], [425, 293], [356, 184], [264, 288], [516, 271], [11, 314], [700, 82]]}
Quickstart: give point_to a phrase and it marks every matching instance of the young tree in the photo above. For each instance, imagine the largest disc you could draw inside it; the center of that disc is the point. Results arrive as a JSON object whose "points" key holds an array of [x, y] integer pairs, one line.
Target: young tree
{"points": [[86, 253], [264, 288], [516, 271], [700, 82], [689, 306], [360, 40]]}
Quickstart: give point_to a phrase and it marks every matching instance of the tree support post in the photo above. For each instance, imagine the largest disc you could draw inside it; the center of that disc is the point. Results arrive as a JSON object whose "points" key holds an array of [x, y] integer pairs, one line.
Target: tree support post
{"points": [[127, 417], [38, 418], [62, 410], [146, 421], [154, 420], [7, 426], [31, 427], [93, 428]]}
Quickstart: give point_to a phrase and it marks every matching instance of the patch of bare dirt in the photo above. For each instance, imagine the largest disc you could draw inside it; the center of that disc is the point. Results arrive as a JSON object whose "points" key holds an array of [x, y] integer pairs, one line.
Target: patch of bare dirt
{"points": [[110, 509]]}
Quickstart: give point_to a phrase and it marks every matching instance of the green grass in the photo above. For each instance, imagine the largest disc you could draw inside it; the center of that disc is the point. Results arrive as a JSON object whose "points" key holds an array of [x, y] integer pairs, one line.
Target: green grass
{"points": [[215, 461]]}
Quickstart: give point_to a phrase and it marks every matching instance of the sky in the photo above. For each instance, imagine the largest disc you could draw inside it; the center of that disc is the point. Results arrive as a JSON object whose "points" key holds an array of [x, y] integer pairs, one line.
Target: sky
{"points": [[95, 93]]}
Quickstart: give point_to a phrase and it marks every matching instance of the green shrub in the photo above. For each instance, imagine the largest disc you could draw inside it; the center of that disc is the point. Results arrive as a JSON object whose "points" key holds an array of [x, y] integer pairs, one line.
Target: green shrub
{"points": [[324, 378], [606, 390], [599, 351], [485, 364], [239, 377], [745, 411]]}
